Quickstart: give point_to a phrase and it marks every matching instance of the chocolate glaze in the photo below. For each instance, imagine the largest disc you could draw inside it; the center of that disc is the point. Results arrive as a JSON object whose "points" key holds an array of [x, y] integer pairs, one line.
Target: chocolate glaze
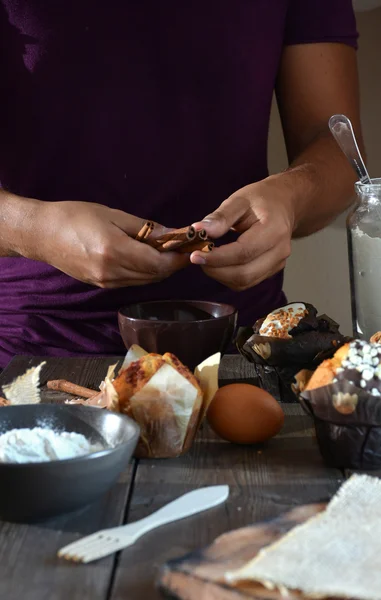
{"points": [[309, 322]]}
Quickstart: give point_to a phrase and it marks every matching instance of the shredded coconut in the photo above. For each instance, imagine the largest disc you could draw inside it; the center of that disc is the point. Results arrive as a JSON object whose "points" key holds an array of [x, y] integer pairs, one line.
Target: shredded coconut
{"points": [[42, 445], [281, 321]]}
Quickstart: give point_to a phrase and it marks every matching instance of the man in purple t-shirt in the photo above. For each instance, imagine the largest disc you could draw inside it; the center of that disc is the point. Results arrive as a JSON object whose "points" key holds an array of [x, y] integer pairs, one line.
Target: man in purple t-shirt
{"points": [[160, 110]]}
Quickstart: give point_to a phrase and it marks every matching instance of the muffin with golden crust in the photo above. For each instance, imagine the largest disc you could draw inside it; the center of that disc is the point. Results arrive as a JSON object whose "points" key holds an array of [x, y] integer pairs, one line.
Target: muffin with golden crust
{"points": [[326, 371], [131, 380], [163, 397]]}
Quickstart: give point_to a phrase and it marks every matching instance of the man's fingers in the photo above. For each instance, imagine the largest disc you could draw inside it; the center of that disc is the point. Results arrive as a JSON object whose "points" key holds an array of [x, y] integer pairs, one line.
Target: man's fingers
{"points": [[127, 223], [250, 245], [131, 224], [122, 277], [140, 257], [228, 214], [129, 281], [153, 262], [122, 259], [247, 276]]}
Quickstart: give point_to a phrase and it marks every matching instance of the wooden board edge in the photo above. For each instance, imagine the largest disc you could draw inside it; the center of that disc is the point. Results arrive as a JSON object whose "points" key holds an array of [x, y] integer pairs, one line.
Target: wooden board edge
{"points": [[176, 581], [173, 583]]}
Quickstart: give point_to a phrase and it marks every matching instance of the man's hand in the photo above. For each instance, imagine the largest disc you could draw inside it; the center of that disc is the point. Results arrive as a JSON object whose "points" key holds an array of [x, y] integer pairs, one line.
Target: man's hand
{"points": [[265, 222], [92, 243], [313, 191]]}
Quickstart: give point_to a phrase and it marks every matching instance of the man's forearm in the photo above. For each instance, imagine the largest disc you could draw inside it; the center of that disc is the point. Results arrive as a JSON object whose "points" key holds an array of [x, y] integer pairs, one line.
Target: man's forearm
{"points": [[18, 223], [318, 185]]}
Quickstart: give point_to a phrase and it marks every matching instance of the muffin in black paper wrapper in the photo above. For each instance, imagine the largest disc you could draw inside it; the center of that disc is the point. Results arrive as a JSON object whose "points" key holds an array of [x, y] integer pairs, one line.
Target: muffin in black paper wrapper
{"points": [[303, 343], [347, 423]]}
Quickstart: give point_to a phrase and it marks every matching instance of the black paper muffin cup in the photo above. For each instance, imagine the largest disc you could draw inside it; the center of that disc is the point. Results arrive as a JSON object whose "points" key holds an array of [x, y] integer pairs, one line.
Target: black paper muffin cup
{"points": [[347, 423], [306, 351], [288, 356], [286, 377]]}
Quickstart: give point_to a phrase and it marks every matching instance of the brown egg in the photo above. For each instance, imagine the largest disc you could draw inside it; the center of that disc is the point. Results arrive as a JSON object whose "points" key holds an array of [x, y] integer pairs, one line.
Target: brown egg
{"points": [[244, 414]]}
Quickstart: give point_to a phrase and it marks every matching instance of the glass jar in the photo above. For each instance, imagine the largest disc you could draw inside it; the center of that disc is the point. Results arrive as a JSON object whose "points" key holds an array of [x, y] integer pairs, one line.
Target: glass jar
{"points": [[364, 248]]}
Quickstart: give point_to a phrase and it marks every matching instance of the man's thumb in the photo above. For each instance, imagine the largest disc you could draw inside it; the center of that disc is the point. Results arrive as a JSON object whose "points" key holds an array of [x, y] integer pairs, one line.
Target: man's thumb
{"points": [[219, 222]]}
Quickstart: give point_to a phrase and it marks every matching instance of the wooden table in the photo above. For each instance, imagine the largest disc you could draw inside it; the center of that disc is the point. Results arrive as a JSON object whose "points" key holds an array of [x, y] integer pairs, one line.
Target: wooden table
{"points": [[264, 482]]}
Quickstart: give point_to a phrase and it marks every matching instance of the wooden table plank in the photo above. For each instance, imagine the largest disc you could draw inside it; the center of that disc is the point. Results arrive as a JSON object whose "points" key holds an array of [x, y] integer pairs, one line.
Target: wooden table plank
{"points": [[373, 472], [265, 481], [87, 372], [90, 372], [235, 368], [28, 564]]}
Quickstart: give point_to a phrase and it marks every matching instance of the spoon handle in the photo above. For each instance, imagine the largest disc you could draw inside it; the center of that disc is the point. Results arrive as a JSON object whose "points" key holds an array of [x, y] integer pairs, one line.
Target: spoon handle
{"points": [[342, 130]]}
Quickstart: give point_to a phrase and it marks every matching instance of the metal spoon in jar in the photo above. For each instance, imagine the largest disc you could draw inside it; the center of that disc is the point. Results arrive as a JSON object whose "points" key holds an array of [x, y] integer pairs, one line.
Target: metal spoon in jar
{"points": [[342, 130]]}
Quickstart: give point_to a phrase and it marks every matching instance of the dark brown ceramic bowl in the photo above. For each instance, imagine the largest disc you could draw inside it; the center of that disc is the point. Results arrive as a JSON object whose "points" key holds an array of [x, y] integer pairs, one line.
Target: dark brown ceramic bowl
{"points": [[190, 329]]}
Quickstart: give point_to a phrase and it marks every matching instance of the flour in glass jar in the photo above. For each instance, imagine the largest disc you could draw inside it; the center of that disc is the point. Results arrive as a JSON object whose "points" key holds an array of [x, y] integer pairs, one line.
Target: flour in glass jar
{"points": [[42, 445], [366, 260]]}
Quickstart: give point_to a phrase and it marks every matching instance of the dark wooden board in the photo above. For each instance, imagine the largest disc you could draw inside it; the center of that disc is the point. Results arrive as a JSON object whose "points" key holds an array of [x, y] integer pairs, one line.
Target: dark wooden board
{"points": [[90, 372], [235, 368], [264, 482], [29, 567], [86, 372], [200, 575]]}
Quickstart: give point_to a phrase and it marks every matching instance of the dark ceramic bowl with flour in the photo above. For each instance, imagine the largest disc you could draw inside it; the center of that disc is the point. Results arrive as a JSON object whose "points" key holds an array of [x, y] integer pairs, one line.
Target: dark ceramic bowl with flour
{"points": [[37, 491]]}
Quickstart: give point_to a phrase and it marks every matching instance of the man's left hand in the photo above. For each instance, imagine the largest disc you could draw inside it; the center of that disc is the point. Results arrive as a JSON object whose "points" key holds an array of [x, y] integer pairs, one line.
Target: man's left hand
{"points": [[265, 221]]}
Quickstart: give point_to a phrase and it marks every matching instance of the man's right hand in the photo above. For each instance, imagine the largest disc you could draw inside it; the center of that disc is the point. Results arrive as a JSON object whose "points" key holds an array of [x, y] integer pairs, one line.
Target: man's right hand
{"points": [[87, 241]]}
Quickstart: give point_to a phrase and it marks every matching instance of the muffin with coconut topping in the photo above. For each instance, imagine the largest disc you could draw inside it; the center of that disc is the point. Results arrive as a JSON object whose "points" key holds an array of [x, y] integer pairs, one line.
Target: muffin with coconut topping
{"points": [[281, 323]]}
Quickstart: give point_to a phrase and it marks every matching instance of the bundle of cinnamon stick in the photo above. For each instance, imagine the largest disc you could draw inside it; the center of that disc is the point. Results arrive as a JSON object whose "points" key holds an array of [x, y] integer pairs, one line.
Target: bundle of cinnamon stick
{"points": [[62, 385], [83, 395], [183, 240]]}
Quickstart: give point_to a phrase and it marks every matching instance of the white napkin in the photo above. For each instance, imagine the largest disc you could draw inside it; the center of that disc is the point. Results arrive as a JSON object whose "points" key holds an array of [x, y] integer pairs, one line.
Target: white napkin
{"points": [[337, 553]]}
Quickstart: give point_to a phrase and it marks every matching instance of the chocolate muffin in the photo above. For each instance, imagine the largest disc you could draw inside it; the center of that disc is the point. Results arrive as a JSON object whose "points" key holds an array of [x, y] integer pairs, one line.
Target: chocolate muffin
{"points": [[291, 336]]}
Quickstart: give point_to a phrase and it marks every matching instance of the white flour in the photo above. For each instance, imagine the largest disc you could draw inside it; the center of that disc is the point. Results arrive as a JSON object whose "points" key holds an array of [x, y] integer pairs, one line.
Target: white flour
{"points": [[42, 445], [366, 272]]}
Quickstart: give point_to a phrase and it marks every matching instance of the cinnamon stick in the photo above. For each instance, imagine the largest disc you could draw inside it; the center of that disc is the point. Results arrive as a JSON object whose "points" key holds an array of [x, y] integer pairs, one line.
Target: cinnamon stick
{"points": [[61, 385], [145, 231], [184, 239], [196, 245], [183, 234], [174, 244], [173, 239]]}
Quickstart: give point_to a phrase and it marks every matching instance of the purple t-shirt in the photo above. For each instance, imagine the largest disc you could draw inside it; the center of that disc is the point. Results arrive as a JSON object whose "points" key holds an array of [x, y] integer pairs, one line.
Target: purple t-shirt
{"points": [[158, 108]]}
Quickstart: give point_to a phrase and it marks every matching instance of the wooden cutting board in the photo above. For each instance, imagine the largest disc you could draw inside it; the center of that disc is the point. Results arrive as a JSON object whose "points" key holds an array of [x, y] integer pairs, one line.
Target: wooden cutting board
{"points": [[198, 576]]}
